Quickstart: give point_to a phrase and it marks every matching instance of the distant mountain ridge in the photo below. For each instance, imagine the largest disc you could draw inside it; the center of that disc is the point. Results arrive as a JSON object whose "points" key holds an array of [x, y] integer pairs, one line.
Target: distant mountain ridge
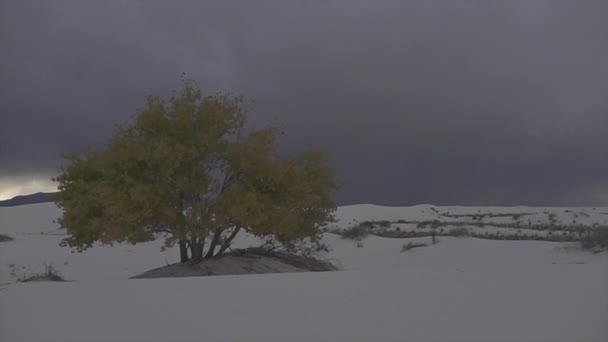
{"points": [[39, 197]]}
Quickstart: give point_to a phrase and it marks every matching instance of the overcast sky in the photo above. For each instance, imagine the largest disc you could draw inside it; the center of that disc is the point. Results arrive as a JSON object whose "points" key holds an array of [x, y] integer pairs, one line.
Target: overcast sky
{"points": [[443, 102]]}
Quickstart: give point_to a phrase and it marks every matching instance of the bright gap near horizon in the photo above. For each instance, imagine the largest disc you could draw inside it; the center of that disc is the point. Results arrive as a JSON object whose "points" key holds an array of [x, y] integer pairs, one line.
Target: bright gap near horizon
{"points": [[10, 188]]}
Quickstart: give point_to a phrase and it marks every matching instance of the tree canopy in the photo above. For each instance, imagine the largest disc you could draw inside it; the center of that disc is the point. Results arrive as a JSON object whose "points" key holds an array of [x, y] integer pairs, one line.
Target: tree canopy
{"points": [[184, 169]]}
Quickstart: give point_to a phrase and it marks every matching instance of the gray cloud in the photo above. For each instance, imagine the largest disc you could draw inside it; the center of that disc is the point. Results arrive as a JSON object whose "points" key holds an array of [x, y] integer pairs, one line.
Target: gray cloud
{"points": [[446, 102]]}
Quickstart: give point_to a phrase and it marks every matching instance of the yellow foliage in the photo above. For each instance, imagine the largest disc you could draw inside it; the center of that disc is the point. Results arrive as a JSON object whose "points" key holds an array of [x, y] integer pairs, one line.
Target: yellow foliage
{"points": [[184, 168]]}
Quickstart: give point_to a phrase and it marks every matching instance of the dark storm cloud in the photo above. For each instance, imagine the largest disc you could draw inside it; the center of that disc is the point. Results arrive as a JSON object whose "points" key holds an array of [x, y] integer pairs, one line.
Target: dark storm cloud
{"points": [[461, 102]]}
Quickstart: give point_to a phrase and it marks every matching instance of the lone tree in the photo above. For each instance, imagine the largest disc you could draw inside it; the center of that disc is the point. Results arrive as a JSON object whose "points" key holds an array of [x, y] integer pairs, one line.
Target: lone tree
{"points": [[182, 169]]}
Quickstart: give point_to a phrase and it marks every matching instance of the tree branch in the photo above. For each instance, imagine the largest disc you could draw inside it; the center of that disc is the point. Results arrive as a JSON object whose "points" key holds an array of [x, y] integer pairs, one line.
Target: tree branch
{"points": [[214, 241], [226, 182], [228, 241]]}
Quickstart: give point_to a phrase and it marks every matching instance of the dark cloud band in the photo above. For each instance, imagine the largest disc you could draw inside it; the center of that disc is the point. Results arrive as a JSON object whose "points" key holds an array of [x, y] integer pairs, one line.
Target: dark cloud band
{"points": [[426, 101]]}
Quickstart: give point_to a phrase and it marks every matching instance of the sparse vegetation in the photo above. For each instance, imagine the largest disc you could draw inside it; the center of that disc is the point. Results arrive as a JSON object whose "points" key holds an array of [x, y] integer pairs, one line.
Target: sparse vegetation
{"points": [[518, 230], [431, 224], [13, 270], [458, 232], [596, 237], [412, 245], [384, 224], [402, 234], [50, 273], [356, 232], [303, 247], [552, 219], [4, 238], [515, 216]]}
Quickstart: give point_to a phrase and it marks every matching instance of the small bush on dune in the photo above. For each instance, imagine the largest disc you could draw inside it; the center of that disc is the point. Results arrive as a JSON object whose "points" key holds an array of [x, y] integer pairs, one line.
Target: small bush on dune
{"points": [[4, 238], [356, 232], [458, 232], [305, 247], [431, 224], [412, 245], [50, 274], [594, 237], [385, 224]]}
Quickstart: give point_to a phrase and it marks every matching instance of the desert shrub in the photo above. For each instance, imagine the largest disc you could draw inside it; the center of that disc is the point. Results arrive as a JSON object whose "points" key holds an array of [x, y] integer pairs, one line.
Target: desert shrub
{"points": [[458, 232], [4, 238], [385, 224], [434, 239], [594, 237], [369, 224], [356, 232], [305, 247], [552, 218], [13, 270], [412, 245], [431, 224], [401, 234], [50, 273]]}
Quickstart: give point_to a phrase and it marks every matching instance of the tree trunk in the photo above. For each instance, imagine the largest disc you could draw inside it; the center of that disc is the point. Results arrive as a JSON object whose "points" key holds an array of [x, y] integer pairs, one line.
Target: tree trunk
{"points": [[196, 249], [183, 244], [183, 251], [214, 241], [228, 241]]}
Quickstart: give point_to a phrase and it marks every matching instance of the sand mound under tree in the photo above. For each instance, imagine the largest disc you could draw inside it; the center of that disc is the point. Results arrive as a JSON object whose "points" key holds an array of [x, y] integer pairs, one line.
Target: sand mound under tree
{"points": [[247, 261]]}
